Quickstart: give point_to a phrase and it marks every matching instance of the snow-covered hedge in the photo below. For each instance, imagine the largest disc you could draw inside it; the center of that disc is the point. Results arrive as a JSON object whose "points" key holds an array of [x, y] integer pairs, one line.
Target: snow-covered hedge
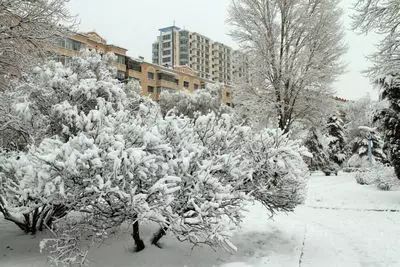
{"points": [[380, 175], [108, 157], [202, 101]]}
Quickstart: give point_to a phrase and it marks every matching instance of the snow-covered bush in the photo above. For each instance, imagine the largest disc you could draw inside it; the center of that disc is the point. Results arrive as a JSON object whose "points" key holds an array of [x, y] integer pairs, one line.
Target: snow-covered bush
{"points": [[201, 101], [110, 157], [237, 164], [278, 170], [381, 175], [106, 157], [208, 160], [363, 177]]}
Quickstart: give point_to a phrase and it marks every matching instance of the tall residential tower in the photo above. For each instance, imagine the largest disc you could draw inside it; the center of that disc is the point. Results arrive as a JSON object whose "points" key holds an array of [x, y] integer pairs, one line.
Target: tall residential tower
{"points": [[212, 60]]}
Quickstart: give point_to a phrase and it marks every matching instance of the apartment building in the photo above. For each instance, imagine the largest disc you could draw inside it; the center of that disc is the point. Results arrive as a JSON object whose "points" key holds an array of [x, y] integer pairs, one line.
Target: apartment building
{"points": [[69, 47], [153, 78], [212, 60]]}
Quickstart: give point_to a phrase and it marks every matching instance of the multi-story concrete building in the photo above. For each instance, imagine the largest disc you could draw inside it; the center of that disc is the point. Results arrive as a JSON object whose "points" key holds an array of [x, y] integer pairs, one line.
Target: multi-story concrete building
{"points": [[212, 60], [153, 78]]}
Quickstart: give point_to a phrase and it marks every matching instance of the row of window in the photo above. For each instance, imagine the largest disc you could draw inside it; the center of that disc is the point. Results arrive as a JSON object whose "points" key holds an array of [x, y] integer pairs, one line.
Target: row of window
{"points": [[186, 84], [166, 59], [70, 44]]}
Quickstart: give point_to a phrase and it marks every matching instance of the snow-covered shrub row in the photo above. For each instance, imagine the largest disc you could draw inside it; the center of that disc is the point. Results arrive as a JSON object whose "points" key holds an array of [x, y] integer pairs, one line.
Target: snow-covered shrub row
{"points": [[382, 176], [107, 156], [201, 101]]}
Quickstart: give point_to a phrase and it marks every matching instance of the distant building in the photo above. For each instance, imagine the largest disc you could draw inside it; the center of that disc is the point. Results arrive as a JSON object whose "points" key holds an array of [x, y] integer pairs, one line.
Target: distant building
{"points": [[153, 78], [212, 60]]}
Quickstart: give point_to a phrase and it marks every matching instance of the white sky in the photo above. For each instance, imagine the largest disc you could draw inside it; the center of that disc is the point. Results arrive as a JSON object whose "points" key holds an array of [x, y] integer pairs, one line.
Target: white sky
{"points": [[134, 24]]}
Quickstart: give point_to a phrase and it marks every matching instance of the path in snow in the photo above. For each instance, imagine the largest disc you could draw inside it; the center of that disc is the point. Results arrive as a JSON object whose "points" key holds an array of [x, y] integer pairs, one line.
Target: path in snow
{"points": [[341, 224], [349, 224]]}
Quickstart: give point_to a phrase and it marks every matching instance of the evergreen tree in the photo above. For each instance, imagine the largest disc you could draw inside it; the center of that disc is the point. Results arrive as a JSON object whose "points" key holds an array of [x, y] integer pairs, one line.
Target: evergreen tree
{"points": [[359, 150], [390, 118], [336, 140], [314, 146]]}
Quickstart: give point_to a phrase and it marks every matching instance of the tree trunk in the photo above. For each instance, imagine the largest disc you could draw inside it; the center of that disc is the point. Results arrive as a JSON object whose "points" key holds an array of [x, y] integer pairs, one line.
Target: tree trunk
{"points": [[158, 235], [35, 220], [136, 236]]}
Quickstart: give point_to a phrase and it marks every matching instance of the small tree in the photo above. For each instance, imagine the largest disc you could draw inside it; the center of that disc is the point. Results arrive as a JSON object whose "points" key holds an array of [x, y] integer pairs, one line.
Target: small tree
{"points": [[360, 157], [390, 118], [335, 140], [319, 157]]}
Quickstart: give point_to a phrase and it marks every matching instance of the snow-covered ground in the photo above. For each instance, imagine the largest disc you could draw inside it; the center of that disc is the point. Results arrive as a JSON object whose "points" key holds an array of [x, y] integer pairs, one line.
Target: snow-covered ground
{"points": [[341, 224]]}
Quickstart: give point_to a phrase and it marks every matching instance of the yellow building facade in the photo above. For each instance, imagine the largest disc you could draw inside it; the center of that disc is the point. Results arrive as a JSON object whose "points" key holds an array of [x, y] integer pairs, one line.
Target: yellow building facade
{"points": [[153, 78]]}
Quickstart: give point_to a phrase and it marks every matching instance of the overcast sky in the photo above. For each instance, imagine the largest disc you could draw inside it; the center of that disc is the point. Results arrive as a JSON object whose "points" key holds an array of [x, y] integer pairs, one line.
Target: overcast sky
{"points": [[134, 24]]}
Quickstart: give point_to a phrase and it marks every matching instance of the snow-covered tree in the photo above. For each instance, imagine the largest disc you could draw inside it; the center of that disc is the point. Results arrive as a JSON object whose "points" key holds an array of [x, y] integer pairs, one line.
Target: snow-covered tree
{"points": [[390, 118], [360, 157], [381, 16], [27, 30], [201, 101], [335, 138], [319, 156], [358, 113], [289, 44]]}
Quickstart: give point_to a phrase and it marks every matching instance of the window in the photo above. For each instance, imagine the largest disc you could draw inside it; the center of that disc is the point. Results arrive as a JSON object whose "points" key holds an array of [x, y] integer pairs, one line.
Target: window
{"points": [[228, 94], [150, 89], [196, 86], [70, 44], [166, 52], [186, 84], [150, 76], [166, 37], [166, 45], [134, 65], [121, 59], [166, 59], [76, 45]]}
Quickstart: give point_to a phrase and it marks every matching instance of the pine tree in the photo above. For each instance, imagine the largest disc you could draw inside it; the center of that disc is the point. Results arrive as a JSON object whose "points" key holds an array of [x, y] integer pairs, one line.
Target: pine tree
{"points": [[336, 140], [314, 146], [359, 150], [390, 118]]}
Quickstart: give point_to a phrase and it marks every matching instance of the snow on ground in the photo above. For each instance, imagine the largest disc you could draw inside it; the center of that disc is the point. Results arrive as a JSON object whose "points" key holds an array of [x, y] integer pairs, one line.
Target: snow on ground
{"points": [[341, 224]]}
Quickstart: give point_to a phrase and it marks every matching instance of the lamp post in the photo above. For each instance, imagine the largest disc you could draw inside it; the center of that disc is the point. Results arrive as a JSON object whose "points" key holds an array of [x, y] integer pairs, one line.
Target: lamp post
{"points": [[370, 146]]}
